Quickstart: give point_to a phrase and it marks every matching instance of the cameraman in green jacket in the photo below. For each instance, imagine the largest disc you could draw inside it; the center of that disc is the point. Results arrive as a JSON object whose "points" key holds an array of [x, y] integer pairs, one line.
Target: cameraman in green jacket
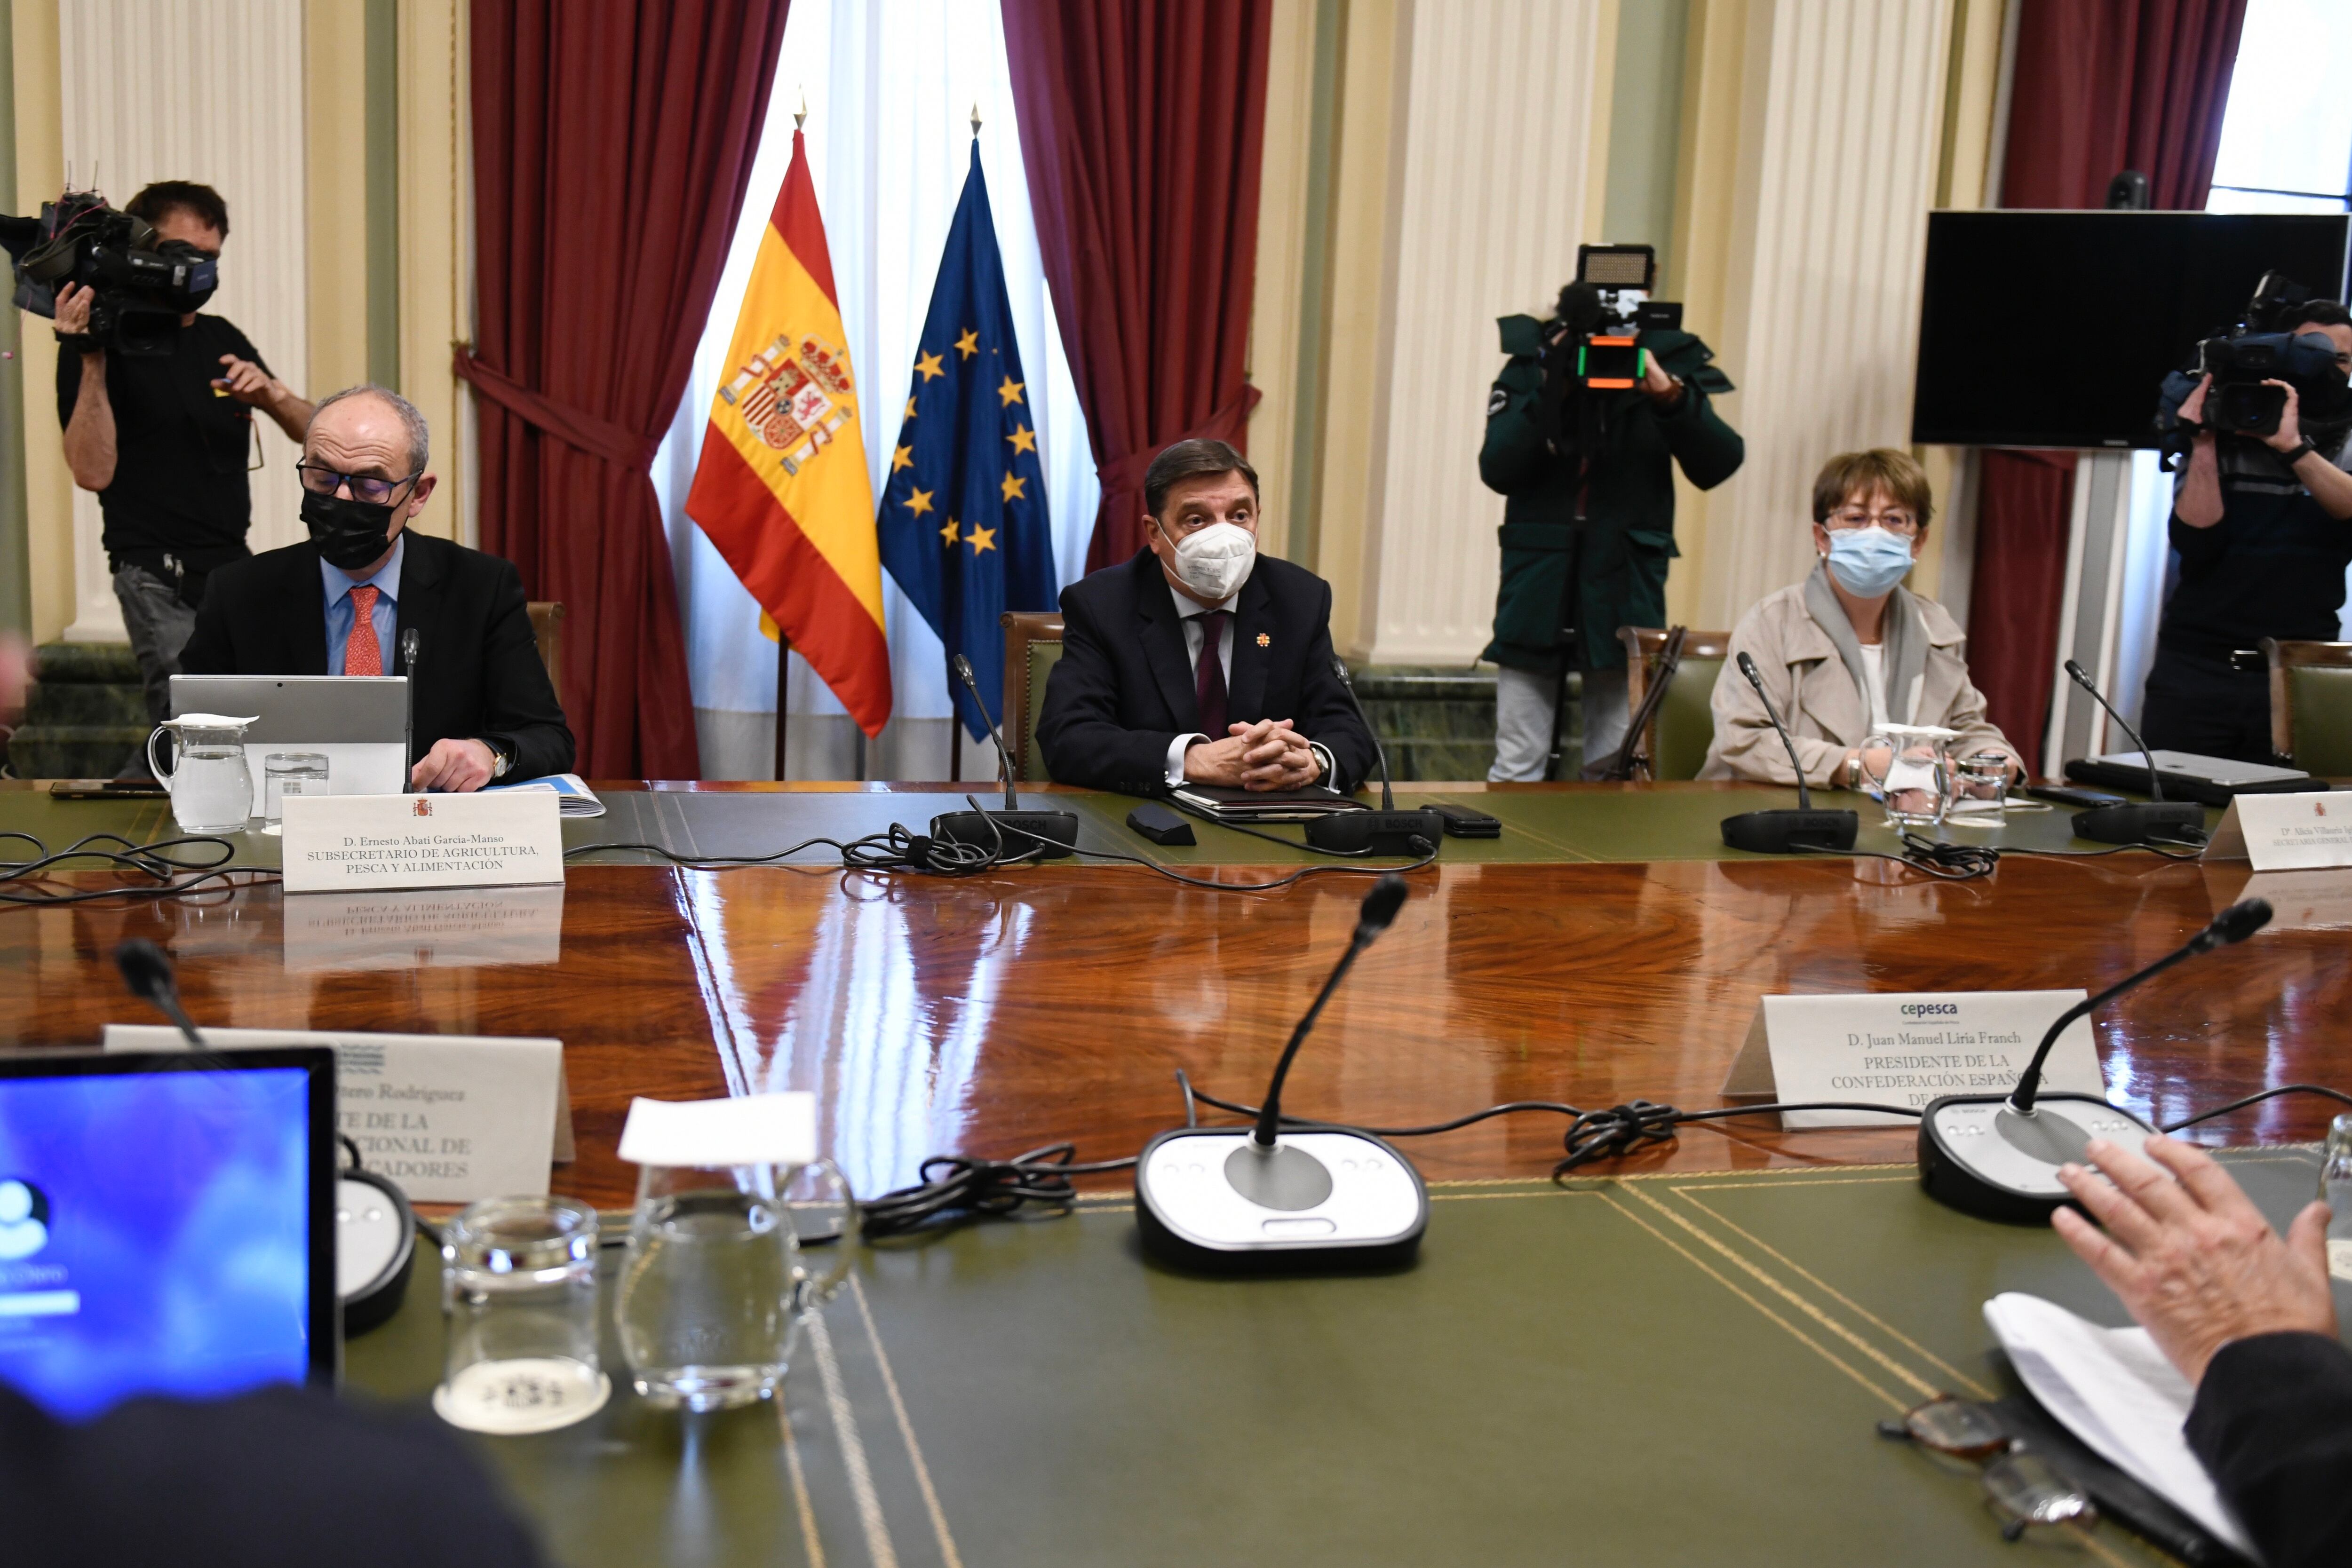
{"points": [[1589, 525]]}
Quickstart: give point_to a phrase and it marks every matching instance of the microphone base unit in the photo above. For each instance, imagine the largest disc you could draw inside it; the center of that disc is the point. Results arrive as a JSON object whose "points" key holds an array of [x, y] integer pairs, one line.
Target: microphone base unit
{"points": [[1210, 1200], [1053, 834], [2138, 821], [375, 1249], [1787, 832], [1389, 833], [1979, 1154]]}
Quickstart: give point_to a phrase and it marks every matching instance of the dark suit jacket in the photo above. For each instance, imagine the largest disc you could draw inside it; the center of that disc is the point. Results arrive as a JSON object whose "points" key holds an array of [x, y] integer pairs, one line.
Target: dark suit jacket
{"points": [[2272, 1423], [478, 674], [1123, 687]]}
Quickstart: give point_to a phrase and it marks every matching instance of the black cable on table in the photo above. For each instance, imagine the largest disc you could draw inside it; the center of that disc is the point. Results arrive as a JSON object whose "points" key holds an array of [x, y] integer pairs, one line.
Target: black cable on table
{"points": [[167, 873], [2336, 1094]]}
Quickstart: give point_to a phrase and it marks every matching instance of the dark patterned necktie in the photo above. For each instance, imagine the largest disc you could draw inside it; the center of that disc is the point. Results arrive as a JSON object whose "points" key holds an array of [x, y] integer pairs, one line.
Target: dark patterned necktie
{"points": [[1209, 674]]}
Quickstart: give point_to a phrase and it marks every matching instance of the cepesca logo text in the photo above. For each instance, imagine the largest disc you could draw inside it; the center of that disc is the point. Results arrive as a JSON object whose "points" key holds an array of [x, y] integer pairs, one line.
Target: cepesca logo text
{"points": [[1931, 1009]]}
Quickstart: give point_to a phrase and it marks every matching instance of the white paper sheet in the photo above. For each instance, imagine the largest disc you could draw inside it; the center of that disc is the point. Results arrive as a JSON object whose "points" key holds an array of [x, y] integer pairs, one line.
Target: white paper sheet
{"points": [[743, 1130], [2114, 1390]]}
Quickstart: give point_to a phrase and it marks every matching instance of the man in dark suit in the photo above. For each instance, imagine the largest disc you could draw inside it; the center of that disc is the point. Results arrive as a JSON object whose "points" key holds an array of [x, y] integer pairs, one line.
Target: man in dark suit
{"points": [[1200, 660], [339, 604]]}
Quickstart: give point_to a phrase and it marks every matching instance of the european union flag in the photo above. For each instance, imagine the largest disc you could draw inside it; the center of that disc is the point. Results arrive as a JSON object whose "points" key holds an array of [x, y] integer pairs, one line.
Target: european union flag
{"points": [[962, 518]]}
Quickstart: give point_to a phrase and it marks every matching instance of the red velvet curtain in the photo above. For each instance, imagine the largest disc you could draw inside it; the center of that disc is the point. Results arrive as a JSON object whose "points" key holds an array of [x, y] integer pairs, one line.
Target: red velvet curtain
{"points": [[1143, 123], [613, 139], [2100, 86]]}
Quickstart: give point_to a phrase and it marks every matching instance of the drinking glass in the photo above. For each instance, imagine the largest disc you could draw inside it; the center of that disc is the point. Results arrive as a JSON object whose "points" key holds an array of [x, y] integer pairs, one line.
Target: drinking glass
{"points": [[285, 773], [1907, 768], [519, 1297], [210, 785], [714, 1288], [1980, 789], [2335, 1189]]}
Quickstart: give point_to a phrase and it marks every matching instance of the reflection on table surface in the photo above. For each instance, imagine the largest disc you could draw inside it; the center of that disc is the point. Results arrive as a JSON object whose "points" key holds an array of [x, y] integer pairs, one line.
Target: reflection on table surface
{"points": [[998, 1013]]}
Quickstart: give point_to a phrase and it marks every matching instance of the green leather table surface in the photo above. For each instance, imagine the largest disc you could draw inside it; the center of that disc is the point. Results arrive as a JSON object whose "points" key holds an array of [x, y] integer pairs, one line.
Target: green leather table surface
{"points": [[1674, 1369], [1570, 823]]}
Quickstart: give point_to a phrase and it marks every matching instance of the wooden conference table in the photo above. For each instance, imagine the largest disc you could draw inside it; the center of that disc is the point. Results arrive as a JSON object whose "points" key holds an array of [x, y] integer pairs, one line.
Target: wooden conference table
{"points": [[1606, 948]]}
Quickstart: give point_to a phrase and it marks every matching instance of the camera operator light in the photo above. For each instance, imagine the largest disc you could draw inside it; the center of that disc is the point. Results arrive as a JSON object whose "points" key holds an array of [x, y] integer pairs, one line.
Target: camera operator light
{"points": [[2261, 521], [156, 398], [1584, 428]]}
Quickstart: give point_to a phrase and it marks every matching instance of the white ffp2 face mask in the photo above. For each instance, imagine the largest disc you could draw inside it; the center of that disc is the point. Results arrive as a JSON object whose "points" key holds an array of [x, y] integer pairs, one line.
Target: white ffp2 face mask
{"points": [[1216, 560]]}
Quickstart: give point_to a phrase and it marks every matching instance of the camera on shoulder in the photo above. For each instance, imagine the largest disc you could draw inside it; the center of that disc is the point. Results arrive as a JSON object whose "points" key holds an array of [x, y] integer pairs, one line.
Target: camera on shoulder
{"points": [[2257, 350], [140, 285]]}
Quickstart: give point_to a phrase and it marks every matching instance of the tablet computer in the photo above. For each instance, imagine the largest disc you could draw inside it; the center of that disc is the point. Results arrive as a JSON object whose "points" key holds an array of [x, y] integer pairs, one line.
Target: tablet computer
{"points": [[358, 723], [167, 1224]]}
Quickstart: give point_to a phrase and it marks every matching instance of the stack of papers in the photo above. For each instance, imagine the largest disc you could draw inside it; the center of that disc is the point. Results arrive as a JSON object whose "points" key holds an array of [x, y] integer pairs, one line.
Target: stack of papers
{"points": [[574, 798], [2113, 1389]]}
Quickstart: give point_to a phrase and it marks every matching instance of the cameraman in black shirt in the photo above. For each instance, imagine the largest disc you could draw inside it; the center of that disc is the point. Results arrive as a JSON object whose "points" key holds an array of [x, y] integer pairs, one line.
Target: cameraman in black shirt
{"points": [[2263, 526], [163, 440]]}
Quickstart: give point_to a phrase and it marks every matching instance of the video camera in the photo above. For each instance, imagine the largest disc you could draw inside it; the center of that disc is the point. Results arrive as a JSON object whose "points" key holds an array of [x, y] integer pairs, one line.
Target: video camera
{"points": [[1607, 309], [142, 286], [2257, 350]]}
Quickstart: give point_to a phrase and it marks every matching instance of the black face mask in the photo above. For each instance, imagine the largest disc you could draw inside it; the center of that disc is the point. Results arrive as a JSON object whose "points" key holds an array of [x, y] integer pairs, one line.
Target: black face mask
{"points": [[350, 533]]}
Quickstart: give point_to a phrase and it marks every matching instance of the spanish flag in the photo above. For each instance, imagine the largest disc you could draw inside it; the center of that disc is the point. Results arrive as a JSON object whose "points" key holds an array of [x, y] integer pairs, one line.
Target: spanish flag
{"points": [[782, 488]]}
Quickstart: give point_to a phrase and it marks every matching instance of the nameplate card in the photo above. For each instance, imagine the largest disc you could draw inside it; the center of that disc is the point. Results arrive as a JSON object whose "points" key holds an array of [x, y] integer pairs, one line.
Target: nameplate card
{"points": [[2299, 831], [464, 927], [352, 843], [1906, 1047], [450, 1117]]}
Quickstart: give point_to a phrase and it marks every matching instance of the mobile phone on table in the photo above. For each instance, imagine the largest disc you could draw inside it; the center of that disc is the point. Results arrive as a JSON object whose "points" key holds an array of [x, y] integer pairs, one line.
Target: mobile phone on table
{"points": [[2067, 795]]}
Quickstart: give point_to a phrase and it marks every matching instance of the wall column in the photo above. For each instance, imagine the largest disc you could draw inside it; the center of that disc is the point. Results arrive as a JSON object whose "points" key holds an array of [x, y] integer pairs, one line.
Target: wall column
{"points": [[1812, 135]]}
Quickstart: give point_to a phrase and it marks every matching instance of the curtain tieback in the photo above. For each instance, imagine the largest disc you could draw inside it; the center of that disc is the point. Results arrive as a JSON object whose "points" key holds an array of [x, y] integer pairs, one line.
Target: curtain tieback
{"points": [[616, 444], [1126, 473]]}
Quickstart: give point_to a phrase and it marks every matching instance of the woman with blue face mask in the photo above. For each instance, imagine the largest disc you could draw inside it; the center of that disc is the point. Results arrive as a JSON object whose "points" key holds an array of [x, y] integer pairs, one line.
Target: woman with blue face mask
{"points": [[1849, 647]]}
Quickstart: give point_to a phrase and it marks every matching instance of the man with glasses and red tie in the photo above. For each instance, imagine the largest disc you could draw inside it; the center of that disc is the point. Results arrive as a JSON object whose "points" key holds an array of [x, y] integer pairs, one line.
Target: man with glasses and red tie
{"points": [[341, 602], [1200, 660]]}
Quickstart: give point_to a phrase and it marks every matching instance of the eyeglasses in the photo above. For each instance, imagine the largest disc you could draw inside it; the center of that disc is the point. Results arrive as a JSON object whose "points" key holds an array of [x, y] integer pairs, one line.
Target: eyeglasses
{"points": [[323, 481], [1894, 522], [2022, 1487]]}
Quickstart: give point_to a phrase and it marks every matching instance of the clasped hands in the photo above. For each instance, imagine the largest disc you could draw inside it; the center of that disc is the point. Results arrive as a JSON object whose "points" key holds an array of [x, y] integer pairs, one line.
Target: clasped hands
{"points": [[1267, 755]]}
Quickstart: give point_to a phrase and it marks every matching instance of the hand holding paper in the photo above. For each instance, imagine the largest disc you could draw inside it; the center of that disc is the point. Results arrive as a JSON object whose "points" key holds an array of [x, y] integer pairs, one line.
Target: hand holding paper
{"points": [[2191, 1258]]}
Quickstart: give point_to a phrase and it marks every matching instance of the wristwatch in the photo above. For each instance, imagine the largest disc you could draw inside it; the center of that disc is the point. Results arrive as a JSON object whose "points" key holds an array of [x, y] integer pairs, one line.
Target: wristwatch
{"points": [[2298, 452], [500, 759]]}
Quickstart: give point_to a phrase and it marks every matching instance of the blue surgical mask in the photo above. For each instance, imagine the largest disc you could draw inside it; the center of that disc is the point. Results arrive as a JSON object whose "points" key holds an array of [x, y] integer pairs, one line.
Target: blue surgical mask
{"points": [[1868, 561]]}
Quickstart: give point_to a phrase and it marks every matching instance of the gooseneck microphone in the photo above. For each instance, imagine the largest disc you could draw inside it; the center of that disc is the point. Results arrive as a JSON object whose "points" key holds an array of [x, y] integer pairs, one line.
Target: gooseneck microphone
{"points": [[1264, 1197], [1997, 1156], [410, 642], [1052, 834], [147, 974], [1783, 832], [1379, 908], [2176, 822], [1387, 831], [2233, 925], [962, 667]]}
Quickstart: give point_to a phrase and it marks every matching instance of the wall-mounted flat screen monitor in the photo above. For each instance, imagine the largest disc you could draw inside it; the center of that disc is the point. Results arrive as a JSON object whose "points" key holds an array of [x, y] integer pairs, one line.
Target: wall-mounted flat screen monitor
{"points": [[2055, 329]]}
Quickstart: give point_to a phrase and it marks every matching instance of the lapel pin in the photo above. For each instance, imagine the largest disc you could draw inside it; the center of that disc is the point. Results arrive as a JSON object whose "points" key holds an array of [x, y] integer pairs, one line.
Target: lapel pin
{"points": [[1264, 641]]}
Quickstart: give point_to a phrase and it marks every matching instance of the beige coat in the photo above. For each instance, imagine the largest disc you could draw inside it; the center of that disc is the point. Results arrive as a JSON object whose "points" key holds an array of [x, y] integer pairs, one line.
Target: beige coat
{"points": [[1825, 712]]}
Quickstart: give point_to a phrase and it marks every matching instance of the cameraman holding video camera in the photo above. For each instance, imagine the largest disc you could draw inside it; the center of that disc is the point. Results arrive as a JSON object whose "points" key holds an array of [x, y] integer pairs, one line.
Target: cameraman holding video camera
{"points": [[158, 421], [2261, 521], [1584, 429]]}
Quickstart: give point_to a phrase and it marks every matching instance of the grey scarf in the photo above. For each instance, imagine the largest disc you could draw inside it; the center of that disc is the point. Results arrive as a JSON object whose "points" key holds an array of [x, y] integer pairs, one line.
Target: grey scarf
{"points": [[1904, 634]]}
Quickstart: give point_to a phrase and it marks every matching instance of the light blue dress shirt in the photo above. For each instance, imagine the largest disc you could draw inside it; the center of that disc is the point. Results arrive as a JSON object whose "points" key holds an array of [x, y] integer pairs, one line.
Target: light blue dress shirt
{"points": [[339, 584]]}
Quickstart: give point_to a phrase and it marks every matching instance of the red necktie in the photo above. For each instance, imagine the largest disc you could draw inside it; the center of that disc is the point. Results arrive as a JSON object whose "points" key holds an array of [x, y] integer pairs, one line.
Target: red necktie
{"points": [[363, 655], [1209, 675]]}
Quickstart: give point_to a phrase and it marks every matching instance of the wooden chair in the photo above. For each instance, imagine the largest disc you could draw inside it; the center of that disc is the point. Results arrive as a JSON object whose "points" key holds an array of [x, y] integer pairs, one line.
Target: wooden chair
{"points": [[1678, 735], [2311, 705], [546, 630], [1032, 645]]}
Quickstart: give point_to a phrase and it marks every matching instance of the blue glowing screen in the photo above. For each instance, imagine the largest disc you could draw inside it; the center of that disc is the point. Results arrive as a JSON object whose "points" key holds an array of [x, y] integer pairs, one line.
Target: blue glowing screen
{"points": [[155, 1234]]}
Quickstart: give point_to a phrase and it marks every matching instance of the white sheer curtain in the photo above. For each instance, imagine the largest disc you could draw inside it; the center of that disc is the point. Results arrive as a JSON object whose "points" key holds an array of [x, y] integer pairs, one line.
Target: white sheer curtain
{"points": [[890, 87]]}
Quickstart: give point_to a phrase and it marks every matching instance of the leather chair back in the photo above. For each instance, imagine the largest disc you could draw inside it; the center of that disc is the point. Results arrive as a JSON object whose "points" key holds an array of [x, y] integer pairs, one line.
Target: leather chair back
{"points": [[547, 630], [2311, 705], [1683, 728], [1032, 644]]}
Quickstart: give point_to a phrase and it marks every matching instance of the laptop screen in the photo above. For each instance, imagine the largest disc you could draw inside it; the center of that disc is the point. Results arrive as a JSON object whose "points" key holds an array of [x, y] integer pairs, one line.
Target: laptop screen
{"points": [[165, 1225]]}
